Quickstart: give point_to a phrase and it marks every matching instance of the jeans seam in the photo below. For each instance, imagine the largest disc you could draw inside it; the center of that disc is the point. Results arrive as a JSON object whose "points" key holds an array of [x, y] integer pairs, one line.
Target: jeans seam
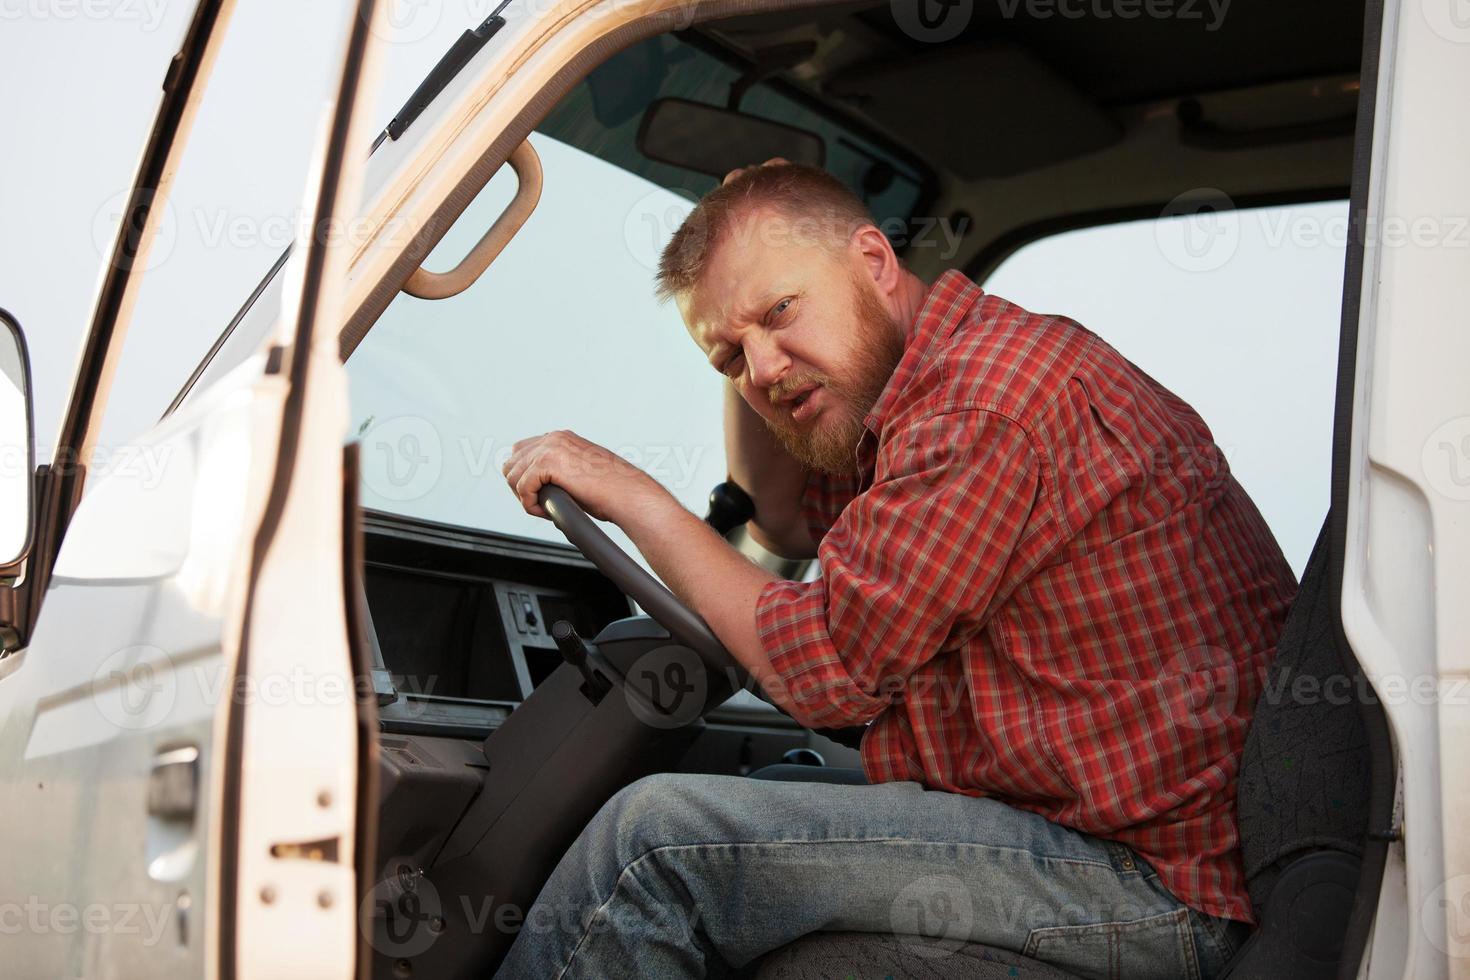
{"points": [[1083, 862], [1216, 935], [1196, 972], [662, 848]]}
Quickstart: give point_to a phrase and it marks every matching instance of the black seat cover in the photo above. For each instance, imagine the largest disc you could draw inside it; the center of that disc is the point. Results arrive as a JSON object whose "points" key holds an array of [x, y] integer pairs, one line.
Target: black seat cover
{"points": [[1302, 793], [1304, 774]]}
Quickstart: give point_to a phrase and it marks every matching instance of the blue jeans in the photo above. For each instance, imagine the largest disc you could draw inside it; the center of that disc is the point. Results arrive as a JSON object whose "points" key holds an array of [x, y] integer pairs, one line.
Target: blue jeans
{"points": [[682, 876]]}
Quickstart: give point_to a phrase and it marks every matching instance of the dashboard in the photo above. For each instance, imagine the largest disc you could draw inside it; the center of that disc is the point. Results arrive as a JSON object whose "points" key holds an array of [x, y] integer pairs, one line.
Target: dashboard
{"points": [[461, 635], [462, 620]]}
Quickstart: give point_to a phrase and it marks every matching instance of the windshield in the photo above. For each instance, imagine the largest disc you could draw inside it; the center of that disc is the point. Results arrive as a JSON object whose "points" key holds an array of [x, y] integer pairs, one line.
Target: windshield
{"points": [[563, 330]]}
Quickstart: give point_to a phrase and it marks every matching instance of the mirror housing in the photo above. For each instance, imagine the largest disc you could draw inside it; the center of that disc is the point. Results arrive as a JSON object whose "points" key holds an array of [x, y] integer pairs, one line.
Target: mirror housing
{"points": [[712, 140], [17, 449]]}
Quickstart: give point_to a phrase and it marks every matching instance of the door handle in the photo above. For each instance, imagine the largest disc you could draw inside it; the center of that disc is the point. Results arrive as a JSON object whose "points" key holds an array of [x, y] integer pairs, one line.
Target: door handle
{"points": [[173, 784]]}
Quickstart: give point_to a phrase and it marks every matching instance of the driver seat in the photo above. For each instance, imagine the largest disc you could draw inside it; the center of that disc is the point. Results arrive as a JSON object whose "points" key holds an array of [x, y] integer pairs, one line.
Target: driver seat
{"points": [[1302, 808]]}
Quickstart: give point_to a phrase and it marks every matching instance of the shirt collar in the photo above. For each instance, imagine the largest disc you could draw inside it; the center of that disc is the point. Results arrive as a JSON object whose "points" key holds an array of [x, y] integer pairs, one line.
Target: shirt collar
{"points": [[945, 306]]}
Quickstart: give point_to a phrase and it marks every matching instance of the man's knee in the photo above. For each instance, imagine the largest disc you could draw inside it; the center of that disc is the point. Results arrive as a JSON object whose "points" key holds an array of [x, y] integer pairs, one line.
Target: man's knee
{"points": [[657, 811]]}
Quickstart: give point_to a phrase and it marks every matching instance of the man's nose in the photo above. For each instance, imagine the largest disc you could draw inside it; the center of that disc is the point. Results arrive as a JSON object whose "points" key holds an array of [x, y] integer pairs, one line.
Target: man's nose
{"points": [[767, 362]]}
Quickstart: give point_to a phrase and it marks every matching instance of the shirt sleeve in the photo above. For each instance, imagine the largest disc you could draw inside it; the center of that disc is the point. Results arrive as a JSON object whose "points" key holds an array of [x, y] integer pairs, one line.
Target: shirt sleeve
{"points": [[919, 552]]}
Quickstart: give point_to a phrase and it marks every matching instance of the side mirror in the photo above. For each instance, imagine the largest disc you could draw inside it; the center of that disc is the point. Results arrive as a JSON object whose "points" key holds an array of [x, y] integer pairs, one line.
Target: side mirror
{"points": [[17, 447], [710, 140]]}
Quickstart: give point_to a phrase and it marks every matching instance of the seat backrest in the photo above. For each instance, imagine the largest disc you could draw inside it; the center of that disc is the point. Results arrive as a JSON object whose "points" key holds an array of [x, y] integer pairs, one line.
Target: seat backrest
{"points": [[1304, 775]]}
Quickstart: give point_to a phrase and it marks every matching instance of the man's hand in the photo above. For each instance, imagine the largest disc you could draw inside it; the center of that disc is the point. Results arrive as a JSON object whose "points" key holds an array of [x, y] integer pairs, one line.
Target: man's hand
{"points": [[772, 477], [698, 565], [607, 486]]}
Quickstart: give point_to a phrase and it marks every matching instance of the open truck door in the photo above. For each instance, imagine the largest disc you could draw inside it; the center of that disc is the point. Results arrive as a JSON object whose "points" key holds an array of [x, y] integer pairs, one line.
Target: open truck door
{"points": [[179, 735]]}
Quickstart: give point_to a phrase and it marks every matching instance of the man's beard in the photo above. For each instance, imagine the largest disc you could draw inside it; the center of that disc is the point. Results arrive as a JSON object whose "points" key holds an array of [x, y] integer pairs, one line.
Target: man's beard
{"points": [[830, 444]]}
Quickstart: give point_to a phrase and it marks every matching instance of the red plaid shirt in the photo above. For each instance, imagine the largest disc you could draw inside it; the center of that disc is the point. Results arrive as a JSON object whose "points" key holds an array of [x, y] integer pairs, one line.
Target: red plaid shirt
{"points": [[1042, 585]]}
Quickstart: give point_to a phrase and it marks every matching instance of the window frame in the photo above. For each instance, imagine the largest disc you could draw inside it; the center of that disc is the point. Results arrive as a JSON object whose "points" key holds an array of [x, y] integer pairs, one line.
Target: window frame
{"points": [[995, 252]]}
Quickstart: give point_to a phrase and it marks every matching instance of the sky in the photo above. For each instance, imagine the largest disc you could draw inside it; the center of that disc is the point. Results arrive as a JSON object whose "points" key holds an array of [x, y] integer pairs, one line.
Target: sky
{"points": [[1239, 316]]}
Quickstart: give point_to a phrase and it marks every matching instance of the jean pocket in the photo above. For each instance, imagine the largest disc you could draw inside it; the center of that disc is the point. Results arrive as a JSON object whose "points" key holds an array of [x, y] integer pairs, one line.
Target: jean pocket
{"points": [[1157, 947]]}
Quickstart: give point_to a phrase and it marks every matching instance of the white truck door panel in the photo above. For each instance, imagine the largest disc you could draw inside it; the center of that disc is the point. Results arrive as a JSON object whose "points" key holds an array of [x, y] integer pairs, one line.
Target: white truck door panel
{"points": [[125, 675], [179, 734], [1407, 560]]}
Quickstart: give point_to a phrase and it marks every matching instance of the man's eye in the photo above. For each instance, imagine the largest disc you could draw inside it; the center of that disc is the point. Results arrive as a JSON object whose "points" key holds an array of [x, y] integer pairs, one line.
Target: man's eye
{"points": [[779, 308], [731, 367]]}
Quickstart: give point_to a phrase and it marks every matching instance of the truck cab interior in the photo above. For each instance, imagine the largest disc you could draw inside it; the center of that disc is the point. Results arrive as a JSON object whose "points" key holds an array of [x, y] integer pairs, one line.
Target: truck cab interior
{"points": [[521, 681]]}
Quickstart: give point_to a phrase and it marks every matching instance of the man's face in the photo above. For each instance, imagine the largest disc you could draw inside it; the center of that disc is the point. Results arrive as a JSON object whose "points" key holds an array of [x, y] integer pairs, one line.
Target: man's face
{"points": [[801, 332]]}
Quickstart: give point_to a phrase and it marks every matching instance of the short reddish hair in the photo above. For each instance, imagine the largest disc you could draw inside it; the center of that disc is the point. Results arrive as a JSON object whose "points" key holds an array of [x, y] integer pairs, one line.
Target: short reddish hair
{"points": [[806, 201]]}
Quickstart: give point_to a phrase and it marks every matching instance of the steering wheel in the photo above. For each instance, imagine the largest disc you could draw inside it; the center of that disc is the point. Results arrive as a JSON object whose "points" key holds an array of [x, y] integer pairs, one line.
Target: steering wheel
{"points": [[683, 624]]}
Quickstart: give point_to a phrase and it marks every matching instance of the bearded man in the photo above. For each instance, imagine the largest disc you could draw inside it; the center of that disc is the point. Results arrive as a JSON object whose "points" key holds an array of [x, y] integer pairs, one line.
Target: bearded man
{"points": [[1036, 577]]}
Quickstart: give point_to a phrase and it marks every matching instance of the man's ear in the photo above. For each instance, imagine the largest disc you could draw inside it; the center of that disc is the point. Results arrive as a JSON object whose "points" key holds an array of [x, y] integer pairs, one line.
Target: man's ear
{"points": [[876, 254]]}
